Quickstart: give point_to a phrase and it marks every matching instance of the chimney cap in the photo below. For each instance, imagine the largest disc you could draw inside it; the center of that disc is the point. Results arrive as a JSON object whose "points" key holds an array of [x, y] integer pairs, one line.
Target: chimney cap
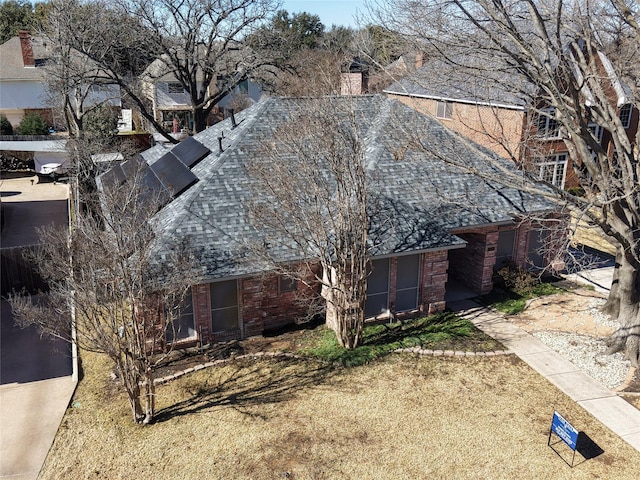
{"points": [[355, 66]]}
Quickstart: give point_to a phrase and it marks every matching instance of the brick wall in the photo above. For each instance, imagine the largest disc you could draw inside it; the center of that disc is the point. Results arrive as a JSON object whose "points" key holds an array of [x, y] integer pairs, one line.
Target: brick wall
{"points": [[485, 125], [433, 281]]}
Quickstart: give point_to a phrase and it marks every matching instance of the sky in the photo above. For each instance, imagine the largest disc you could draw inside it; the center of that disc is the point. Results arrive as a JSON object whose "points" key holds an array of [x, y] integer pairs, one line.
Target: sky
{"points": [[338, 12]]}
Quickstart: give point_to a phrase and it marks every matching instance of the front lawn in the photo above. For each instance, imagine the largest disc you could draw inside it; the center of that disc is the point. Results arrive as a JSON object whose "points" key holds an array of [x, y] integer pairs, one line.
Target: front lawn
{"points": [[403, 416]]}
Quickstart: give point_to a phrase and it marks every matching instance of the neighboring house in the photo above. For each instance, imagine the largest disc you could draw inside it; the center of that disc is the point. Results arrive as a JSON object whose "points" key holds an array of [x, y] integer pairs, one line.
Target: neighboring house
{"points": [[23, 83], [486, 114], [437, 226], [548, 154], [171, 104], [496, 118]]}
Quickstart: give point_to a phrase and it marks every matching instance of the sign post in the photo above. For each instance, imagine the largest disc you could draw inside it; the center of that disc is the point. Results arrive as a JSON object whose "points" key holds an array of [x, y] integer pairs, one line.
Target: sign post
{"points": [[567, 434]]}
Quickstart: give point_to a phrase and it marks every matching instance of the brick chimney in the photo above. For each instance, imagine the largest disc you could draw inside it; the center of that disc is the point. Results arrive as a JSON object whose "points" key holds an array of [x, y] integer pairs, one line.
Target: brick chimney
{"points": [[354, 78], [419, 60], [27, 50]]}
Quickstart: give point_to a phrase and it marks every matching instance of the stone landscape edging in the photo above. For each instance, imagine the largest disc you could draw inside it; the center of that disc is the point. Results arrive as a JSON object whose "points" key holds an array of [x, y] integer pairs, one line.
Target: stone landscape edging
{"points": [[414, 350]]}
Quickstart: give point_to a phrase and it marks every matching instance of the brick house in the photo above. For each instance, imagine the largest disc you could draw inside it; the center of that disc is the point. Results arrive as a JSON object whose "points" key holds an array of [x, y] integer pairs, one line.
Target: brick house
{"points": [[440, 225], [493, 116], [480, 111]]}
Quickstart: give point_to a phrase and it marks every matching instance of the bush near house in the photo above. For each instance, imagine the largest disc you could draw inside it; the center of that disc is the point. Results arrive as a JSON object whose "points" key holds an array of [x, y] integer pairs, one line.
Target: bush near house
{"points": [[5, 126], [33, 124], [515, 285]]}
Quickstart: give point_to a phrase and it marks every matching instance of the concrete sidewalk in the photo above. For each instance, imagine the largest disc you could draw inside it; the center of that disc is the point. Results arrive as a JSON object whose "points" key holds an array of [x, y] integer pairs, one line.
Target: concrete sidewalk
{"points": [[615, 413], [30, 415]]}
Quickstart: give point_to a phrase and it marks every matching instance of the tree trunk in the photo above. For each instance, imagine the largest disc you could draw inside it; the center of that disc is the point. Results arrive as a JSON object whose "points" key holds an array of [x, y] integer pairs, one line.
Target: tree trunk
{"points": [[150, 397], [623, 304], [199, 119], [131, 383], [344, 317]]}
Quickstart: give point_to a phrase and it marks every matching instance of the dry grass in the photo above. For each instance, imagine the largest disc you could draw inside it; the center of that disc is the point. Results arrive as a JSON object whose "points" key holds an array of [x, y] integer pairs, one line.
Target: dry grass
{"points": [[401, 417]]}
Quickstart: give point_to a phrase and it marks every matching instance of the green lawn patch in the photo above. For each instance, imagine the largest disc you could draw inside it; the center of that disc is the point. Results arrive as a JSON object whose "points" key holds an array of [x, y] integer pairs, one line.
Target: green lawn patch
{"points": [[513, 302], [444, 331]]}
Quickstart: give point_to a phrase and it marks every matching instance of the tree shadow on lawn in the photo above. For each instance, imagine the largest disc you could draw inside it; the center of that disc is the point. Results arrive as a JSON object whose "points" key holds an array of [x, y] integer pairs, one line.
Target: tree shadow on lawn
{"points": [[250, 383]]}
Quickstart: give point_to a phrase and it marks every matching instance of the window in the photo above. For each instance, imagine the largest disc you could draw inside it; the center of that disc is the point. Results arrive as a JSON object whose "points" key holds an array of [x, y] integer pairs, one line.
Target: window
{"points": [[243, 87], [547, 125], [553, 169], [224, 306], [444, 110], [408, 276], [377, 288], [597, 132], [504, 252], [182, 327], [286, 284], [174, 87], [625, 115]]}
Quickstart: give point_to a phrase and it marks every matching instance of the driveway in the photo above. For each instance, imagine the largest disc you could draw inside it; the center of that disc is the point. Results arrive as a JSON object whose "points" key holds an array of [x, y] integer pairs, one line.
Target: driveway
{"points": [[35, 389]]}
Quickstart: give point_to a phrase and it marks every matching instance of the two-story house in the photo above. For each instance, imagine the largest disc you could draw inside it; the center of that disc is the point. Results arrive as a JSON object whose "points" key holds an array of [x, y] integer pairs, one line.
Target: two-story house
{"points": [[24, 85], [491, 114], [171, 103]]}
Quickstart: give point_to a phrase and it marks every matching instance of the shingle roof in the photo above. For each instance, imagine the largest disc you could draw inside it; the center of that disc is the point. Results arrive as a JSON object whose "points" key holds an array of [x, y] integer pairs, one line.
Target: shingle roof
{"points": [[421, 197], [432, 81], [13, 65]]}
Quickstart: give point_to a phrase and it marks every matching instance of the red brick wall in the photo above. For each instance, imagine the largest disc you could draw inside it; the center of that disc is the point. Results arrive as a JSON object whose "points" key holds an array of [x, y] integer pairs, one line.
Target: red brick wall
{"points": [[488, 126], [473, 265], [433, 280]]}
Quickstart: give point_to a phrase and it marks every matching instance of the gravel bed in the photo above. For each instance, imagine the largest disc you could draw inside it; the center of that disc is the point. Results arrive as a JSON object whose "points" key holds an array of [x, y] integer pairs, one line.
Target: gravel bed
{"points": [[588, 353]]}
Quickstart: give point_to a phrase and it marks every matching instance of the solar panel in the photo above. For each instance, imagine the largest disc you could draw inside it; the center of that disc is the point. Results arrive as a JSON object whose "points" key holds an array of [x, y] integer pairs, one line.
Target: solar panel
{"points": [[151, 188], [113, 177], [174, 175], [134, 165], [190, 151]]}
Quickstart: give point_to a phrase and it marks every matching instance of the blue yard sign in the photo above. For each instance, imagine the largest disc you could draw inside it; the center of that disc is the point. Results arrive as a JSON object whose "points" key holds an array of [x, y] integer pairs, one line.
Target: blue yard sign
{"points": [[567, 433]]}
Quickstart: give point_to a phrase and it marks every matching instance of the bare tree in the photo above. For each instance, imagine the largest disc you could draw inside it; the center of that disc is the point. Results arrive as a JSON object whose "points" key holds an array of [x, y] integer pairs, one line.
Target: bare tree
{"points": [[199, 43], [310, 199], [548, 53], [105, 282]]}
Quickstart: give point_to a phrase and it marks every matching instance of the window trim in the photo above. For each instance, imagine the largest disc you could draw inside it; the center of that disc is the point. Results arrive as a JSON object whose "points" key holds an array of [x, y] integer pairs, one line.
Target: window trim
{"points": [[386, 293], [547, 132], [554, 160], [625, 114], [189, 296], [444, 110]]}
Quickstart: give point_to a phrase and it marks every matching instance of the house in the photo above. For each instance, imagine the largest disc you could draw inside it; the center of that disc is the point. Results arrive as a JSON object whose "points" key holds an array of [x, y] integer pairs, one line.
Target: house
{"points": [[491, 114], [441, 225], [171, 104], [485, 112], [23, 81], [548, 150]]}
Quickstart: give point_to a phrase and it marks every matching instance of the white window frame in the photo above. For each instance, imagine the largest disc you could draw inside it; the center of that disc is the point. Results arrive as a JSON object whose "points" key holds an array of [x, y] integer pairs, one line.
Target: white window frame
{"points": [[597, 131], [558, 178], [444, 110], [625, 114], [548, 130]]}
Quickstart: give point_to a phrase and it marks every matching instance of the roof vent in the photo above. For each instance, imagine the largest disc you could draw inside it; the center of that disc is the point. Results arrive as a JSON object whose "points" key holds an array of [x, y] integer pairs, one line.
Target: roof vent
{"points": [[220, 144]]}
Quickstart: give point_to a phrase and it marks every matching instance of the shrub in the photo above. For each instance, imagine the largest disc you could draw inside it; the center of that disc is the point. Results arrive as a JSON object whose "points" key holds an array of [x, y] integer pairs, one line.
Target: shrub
{"points": [[33, 124], [5, 126], [517, 279]]}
